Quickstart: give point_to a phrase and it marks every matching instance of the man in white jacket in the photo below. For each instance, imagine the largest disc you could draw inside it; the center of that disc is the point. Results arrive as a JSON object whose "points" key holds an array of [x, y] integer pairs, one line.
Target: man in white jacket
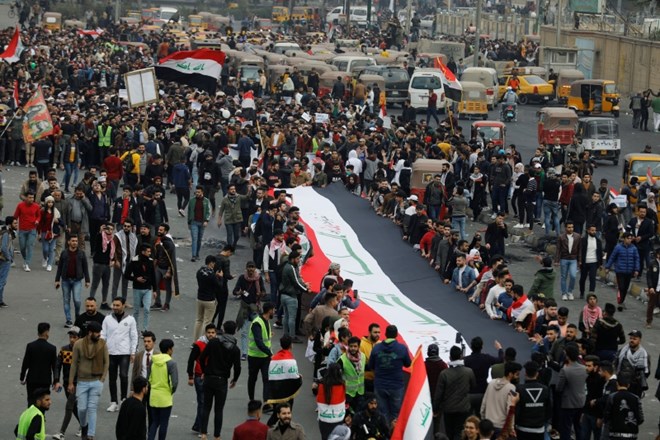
{"points": [[120, 333]]}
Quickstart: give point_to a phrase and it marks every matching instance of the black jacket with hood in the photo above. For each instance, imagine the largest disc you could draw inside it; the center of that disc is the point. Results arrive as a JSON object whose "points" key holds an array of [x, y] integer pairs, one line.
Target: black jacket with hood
{"points": [[219, 356], [534, 409]]}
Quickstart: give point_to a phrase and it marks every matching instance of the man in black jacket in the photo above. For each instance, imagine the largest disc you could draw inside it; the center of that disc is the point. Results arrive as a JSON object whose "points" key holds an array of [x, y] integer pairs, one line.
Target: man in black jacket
{"points": [[143, 275], [131, 422], [623, 411], [39, 369], [480, 364], [590, 414], [643, 230], [652, 279], [165, 267], [591, 258], [218, 358], [534, 409]]}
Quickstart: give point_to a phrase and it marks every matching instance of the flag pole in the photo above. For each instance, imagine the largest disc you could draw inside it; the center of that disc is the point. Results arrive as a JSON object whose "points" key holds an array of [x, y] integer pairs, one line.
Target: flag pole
{"points": [[261, 139], [451, 120], [9, 123]]}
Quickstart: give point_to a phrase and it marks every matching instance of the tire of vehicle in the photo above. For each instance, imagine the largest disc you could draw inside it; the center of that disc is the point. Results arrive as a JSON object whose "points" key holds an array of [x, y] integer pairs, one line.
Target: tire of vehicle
{"points": [[523, 99]]}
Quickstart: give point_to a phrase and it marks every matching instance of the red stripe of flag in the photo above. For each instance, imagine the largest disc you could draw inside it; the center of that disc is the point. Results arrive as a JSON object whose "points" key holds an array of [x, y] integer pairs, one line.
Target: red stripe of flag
{"points": [[200, 54]]}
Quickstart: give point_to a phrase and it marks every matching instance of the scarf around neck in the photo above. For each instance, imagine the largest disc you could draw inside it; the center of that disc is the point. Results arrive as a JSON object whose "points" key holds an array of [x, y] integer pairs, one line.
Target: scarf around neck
{"points": [[355, 360], [590, 316], [276, 246], [105, 239]]}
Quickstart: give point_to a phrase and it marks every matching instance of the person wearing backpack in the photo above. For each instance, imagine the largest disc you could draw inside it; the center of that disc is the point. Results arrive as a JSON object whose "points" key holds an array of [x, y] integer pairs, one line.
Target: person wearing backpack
{"points": [[633, 359], [130, 162]]}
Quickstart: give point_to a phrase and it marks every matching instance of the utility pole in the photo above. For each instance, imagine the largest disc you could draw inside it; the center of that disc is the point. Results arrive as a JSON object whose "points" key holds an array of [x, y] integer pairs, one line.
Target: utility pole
{"points": [[477, 25], [291, 11], [408, 17], [368, 14], [558, 24], [347, 11]]}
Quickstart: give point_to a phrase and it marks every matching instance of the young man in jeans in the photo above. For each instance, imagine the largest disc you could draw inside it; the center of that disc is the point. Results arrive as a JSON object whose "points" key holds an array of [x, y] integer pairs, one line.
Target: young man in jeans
{"points": [[71, 269], [143, 275]]}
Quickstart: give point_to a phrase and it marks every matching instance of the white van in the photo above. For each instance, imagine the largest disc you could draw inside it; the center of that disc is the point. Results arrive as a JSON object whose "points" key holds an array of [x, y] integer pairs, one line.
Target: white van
{"points": [[348, 63], [486, 76], [421, 81], [358, 14]]}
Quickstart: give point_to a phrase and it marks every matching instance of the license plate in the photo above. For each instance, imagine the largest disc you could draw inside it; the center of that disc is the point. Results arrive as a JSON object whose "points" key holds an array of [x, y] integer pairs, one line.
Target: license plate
{"points": [[395, 93], [604, 152]]}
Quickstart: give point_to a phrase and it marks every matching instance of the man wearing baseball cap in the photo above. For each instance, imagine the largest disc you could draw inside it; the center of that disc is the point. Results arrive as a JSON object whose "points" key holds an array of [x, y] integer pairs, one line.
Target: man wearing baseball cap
{"points": [[625, 260], [633, 359]]}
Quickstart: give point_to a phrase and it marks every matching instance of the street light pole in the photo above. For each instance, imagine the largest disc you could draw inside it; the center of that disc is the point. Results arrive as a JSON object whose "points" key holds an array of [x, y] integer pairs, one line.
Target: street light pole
{"points": [[558, 24], [477, 26]]}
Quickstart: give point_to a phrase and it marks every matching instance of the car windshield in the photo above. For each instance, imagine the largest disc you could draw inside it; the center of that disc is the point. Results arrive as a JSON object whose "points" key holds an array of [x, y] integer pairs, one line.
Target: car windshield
{"points": [[362, 63], [610, 88], [490, 132], [166, 15], [249, 73], [534, 80], [396, 75], [640, 167], [606, 130], [425, 83]]}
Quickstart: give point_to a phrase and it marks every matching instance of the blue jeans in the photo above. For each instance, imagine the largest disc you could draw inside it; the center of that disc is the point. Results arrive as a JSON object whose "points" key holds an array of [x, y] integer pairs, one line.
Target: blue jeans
{"points": [[432, 112], [499, 199], [199, 392], [290, 305], [551, 216], [459, 223], [160, 419], [197, 233], [26, 243], [538, 208], [389, 402], [142, 297], [4, 274], [88, 395], [71, 287], [568, 270], [434, 211], [233, 232], [588, 427], [48, 249], [70, 169]]}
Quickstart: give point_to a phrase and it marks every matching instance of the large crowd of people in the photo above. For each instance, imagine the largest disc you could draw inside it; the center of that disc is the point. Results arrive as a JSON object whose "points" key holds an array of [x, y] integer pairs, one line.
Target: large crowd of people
{"points": [[115, 219]]}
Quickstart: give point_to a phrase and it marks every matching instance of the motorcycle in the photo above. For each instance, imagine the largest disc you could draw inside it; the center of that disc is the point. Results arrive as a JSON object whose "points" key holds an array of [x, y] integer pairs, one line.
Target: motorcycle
{"points": [[509, 114]]}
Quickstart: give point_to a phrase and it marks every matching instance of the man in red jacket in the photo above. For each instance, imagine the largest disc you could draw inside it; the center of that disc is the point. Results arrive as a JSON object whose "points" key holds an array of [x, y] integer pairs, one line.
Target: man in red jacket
{"points": [[28, 214], [252, 428]]}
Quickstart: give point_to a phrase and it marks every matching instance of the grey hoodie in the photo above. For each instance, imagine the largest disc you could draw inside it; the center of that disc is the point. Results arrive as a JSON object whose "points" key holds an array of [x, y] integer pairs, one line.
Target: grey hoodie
{"points": [[495, 404]]}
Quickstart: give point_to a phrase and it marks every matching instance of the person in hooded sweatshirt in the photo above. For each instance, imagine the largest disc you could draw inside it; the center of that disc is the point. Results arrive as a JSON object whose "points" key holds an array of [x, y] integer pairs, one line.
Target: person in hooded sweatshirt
{"points": [[544, 279], [163, 382], [218, 358], [387, 361], [497, 399]]}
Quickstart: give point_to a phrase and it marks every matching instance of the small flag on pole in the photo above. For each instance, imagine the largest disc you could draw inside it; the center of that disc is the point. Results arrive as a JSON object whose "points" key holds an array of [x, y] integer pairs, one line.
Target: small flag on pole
{"points": [[14, 48]]}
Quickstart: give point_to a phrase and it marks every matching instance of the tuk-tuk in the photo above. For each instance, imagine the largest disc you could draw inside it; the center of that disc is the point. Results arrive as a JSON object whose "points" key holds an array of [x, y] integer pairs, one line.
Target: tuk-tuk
{"points": [[77, 24], [195, 21], [490, 131], [369, 80], [565, 78], [52, 21], [273, 74], [638, 164], [280, 14], [474, 102], [600, 136], [326, 81], [206, 18], [596, 96], [264, 24], [556, 123], [427, 59], [423, 171]]}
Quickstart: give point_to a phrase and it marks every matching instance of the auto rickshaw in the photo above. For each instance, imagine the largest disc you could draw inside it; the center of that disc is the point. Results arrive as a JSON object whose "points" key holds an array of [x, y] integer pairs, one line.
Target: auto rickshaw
{"points": [[423, 171], [474, 102], [274, 74], [74, 24], [369, 80], [326, 81], [565, 78], [52, 21], [427, 59], [280, 14], [596, 96], [638, 164], [600, 136], [195, 22], [489, 131], [556, 123]]}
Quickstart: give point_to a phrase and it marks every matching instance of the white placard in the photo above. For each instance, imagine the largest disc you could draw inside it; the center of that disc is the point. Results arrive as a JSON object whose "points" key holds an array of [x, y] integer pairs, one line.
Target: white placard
{"points": [[322, 118], [141, 87], [620, 201], [306, 116], [123, 94], [195, 106], [387, 122]]}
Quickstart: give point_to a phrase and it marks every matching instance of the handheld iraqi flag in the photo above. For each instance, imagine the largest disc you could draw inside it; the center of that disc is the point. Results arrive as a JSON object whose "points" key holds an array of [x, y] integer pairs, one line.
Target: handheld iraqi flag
{"points": [[197, 68], [14, 49], [94, 33], [649, 176], [248, 100], [453, 89], [283, 376], [416, 414], [37, 122]]}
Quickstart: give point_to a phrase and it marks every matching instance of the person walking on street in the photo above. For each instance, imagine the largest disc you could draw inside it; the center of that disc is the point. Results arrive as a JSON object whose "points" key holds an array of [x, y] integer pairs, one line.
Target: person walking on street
{"points": [[230, 212], [143, 275], [71, 270], [591, 258], [652, 284], [250, 288], [39, 368], [90, 315], [209, 281], [625, 259], [121, 336], [643, 230], [107, 255], [163, 382], [292, 287], [220, 356], [632, 359], [7, 236], [28, 214], [64, 359], [166, 268], [451, 398], [432, 107], [387, 361], [568, 258], [571, 388], [534, 408], [32, 423], [199, 214], [133, 413], [252, 428], [128, 249], [259, 351], [223, 264], [89, 367], [623, 412], [196, 373], [285, 429]]}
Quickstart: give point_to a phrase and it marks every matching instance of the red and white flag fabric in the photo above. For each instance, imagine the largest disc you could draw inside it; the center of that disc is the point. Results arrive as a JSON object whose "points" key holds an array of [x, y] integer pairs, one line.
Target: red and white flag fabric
{"points": [[197, 68], [416, 415], [383, 112], [283, 376], [94, 33], [649, 176], [171, 118], [248, 100], [453, 88], [14, 49], [15, 94]]}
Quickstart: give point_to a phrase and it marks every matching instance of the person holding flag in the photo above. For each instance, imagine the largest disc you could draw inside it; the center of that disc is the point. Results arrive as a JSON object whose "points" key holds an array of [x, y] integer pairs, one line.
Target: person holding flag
{"points": [[283, 376]]}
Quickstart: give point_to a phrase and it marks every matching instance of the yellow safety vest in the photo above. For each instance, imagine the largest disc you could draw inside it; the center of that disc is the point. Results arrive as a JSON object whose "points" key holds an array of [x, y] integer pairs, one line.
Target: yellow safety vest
{"points": [[26, 420], [105, 140], [253, 350]]}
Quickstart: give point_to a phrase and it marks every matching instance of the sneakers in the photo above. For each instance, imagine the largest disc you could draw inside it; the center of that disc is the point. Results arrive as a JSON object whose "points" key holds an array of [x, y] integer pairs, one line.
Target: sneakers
{"points": [[181, 213], [113, 407], [49, 268], [493, 216], [244, 357], [156, 306], [526, 225], [79, 433], [277, 324], [3, 305], [571, 297], [656, 311], [621, 307], [564, 297], [166, 308], [519, 226], [44, 264], [26, 268], [58, 436], [68, 324]]}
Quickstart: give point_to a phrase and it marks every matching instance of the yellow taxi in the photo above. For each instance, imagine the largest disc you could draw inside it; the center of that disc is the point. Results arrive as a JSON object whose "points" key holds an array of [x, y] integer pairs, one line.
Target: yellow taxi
{"points": [[532, 88]]}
